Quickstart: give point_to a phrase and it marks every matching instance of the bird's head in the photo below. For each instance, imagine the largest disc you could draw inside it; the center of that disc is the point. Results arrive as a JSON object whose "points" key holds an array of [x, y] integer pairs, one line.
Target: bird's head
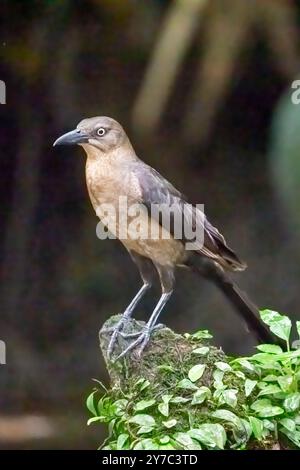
{"points": [[103, 133]]}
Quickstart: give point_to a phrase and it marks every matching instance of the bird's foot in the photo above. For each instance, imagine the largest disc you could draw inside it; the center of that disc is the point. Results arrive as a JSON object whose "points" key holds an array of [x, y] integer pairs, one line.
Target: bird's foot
{"points": [[115, 330], [138, 333], [140, 343]]}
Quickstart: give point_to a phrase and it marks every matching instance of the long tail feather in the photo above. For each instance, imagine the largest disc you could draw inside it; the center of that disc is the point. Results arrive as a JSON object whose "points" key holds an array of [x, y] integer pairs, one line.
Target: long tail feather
{"points": [[239, 299]]}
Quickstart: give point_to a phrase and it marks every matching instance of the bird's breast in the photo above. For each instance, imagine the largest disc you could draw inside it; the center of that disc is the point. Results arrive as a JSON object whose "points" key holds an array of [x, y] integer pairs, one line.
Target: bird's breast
{"points": [[116, 196]]}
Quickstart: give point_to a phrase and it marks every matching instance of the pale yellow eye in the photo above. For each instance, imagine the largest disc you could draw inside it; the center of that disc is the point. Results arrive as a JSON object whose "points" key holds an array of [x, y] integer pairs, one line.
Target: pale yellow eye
{"points": [[101, 131]]}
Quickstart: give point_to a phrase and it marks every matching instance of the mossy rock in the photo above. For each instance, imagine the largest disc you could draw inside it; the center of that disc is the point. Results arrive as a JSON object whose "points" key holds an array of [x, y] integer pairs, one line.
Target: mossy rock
{"points": [[166, 348], [163, 375]]}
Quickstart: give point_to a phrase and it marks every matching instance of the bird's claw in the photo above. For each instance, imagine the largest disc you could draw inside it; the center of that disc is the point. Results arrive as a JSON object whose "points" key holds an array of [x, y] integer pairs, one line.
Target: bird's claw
{"points": [[116, 330], [141, 341], [138, 333], [142, 338]]}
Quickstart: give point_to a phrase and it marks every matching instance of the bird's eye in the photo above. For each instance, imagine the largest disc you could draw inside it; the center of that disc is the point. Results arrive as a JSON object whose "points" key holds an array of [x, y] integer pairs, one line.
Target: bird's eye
{"points": [[101, 131]]}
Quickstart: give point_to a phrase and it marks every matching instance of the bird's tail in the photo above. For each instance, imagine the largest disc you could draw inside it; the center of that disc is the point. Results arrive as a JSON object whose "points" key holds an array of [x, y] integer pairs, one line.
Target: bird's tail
{"points": [[239, 299]]}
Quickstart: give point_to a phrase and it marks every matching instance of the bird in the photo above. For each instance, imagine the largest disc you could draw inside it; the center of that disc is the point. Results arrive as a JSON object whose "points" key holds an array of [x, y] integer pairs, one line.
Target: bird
{"points": [[114, 172]]}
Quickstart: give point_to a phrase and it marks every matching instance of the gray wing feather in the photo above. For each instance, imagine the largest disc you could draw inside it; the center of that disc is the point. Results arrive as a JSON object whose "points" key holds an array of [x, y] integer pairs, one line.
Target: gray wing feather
{"points": [[156, 190]]}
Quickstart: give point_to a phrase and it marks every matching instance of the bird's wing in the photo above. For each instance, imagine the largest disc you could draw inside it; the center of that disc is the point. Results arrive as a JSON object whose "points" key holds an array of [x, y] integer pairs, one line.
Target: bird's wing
{"points": [[156, 190]]}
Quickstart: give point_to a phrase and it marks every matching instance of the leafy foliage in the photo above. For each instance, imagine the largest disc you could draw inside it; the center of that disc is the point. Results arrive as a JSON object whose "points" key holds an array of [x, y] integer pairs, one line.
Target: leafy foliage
{"points": [[233, 403]]}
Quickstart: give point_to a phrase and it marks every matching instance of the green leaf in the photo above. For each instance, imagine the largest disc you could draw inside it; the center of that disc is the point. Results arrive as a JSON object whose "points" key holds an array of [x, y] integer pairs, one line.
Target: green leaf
{"points": [[201, 351], [184, 440], [196, 372], [269, 412], [164, 440], [269, 390], [122, 439], [139, 382], [257, 427], [137, 446], [142, 384], [249, 386], [223, 366], [143, 404], [269, 365], [103, 405], [96, 418], [298, 327], [269, 348], [218, 376], [170, 423], [258, 405], [166, 447], [179, 400], [270, 378], [239, 374], [91, 404], [166, 398], [229, 397], [228, 416], [142, 420], [265, 409], [293, 436], [285, 382], [146, 444], [280, 325], [262, 385], [288, 424], [166, 368], [119, 406], [245, 364], [297, 419], [292, 402], [201, 334], [265, 358], [186, 384], [211, 435], [163, 408], [201, 395], [145, 430], [269, 425], [218, 392], [292, 354], [247, 429], [111, 426]]}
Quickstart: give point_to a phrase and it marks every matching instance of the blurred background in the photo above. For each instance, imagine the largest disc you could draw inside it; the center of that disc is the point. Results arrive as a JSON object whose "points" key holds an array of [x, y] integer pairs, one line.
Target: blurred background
{"points": [[203, 88]]}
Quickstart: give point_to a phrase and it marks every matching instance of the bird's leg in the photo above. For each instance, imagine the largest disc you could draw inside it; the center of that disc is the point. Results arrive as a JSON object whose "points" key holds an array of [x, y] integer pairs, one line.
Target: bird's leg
{"points": [[166, 274], [145, 334], [146, 271], [125, 318]]}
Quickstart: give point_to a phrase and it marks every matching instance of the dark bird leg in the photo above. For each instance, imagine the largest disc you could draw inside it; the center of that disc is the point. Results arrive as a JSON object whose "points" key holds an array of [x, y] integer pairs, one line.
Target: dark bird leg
{"points": [[146, 272], [166, 275]]}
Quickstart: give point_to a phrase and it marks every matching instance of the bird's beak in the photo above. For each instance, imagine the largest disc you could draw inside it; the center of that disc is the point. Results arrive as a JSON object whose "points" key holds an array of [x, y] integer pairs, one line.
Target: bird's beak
{"points": [[71, 138]]}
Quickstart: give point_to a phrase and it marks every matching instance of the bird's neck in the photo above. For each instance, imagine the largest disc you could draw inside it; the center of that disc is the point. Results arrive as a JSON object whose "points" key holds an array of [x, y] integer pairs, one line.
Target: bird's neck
{"points": [[124, 153]]}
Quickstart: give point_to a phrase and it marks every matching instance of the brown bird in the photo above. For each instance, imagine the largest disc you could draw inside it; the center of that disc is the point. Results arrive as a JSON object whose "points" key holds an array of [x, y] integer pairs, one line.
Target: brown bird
{"points": [[114, 172]]}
